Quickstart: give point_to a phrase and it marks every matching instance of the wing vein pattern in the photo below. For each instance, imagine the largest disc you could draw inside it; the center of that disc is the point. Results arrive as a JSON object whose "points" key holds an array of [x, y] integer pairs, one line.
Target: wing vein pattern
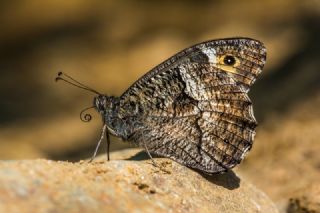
{"points": [[194, 109]]}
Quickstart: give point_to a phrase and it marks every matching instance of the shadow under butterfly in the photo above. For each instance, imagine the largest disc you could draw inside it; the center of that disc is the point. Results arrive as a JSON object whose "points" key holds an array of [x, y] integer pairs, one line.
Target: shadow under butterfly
{"points": [[193, 108]]}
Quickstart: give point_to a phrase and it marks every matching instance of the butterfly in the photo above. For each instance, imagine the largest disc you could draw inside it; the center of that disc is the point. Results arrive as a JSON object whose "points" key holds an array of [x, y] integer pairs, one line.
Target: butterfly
{"points": [[193, 108]]}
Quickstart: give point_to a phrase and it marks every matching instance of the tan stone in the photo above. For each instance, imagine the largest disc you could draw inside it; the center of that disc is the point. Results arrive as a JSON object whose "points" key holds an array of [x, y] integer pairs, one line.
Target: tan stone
{"points": [[306, 200], [132, 185]]}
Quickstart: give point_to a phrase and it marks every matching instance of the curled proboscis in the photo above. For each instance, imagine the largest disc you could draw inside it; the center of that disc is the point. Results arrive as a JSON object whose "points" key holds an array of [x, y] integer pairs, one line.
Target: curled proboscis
{"points": [[85, 117]]}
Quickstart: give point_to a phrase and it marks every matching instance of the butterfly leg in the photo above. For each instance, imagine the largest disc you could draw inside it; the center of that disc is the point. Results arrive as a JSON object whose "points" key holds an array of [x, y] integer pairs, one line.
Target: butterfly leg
{"points": [[150, 156], [97, 147], [160, 167], [108, 145]]}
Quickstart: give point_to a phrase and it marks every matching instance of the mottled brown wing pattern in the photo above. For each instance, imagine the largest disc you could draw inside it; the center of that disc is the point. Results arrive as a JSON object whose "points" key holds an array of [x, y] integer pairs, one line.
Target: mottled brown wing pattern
{"points": [[194, 107]]}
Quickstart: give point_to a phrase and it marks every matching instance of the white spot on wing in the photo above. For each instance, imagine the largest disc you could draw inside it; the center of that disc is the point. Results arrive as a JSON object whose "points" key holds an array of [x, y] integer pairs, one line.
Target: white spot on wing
{"points": [[211, 53]]}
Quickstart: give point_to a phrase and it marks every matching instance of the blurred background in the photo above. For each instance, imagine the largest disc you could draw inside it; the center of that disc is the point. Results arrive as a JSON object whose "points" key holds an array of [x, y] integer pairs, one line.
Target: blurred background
{"points": [[109, 44]]}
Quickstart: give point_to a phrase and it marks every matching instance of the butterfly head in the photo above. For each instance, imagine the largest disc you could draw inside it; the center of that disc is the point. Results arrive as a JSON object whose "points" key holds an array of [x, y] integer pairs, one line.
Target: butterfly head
{"points": [[105, 104], [101, 103]]}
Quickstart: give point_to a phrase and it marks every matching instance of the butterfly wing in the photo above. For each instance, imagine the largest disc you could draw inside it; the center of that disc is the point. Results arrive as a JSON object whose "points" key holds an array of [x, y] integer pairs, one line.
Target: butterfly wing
{"points": [[194, 107]]}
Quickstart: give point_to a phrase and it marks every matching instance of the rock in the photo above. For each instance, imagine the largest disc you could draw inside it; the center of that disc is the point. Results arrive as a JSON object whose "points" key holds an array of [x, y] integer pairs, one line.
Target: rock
{"points": [[306, 201], [123, 186]]}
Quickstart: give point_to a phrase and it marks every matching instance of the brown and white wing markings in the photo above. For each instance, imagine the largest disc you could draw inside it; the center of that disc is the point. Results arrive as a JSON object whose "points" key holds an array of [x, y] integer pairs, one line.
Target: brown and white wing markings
{"points": [[194, 108]]}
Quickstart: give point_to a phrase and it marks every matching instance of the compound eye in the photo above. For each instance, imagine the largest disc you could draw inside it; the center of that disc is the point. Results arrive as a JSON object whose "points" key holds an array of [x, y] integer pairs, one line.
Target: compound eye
{"points": [[229, 60]]}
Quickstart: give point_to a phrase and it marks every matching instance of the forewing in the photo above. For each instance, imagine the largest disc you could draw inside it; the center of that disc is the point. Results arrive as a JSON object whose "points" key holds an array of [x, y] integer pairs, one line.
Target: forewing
{"points": [[194, 108]]}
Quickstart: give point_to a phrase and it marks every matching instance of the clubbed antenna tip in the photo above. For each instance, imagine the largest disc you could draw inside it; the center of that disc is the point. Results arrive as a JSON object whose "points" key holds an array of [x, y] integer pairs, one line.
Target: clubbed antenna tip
{"points": [[68, 79]]}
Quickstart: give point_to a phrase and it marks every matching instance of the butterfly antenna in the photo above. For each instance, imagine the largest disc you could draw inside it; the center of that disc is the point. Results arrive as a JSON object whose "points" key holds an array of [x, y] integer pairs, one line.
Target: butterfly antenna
{"points": [[68, 79]]}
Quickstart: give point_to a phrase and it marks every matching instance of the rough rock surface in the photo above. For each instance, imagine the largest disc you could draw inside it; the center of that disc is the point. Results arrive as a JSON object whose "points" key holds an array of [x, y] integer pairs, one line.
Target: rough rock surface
{"points": [[123, 185], [306, 200]]}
